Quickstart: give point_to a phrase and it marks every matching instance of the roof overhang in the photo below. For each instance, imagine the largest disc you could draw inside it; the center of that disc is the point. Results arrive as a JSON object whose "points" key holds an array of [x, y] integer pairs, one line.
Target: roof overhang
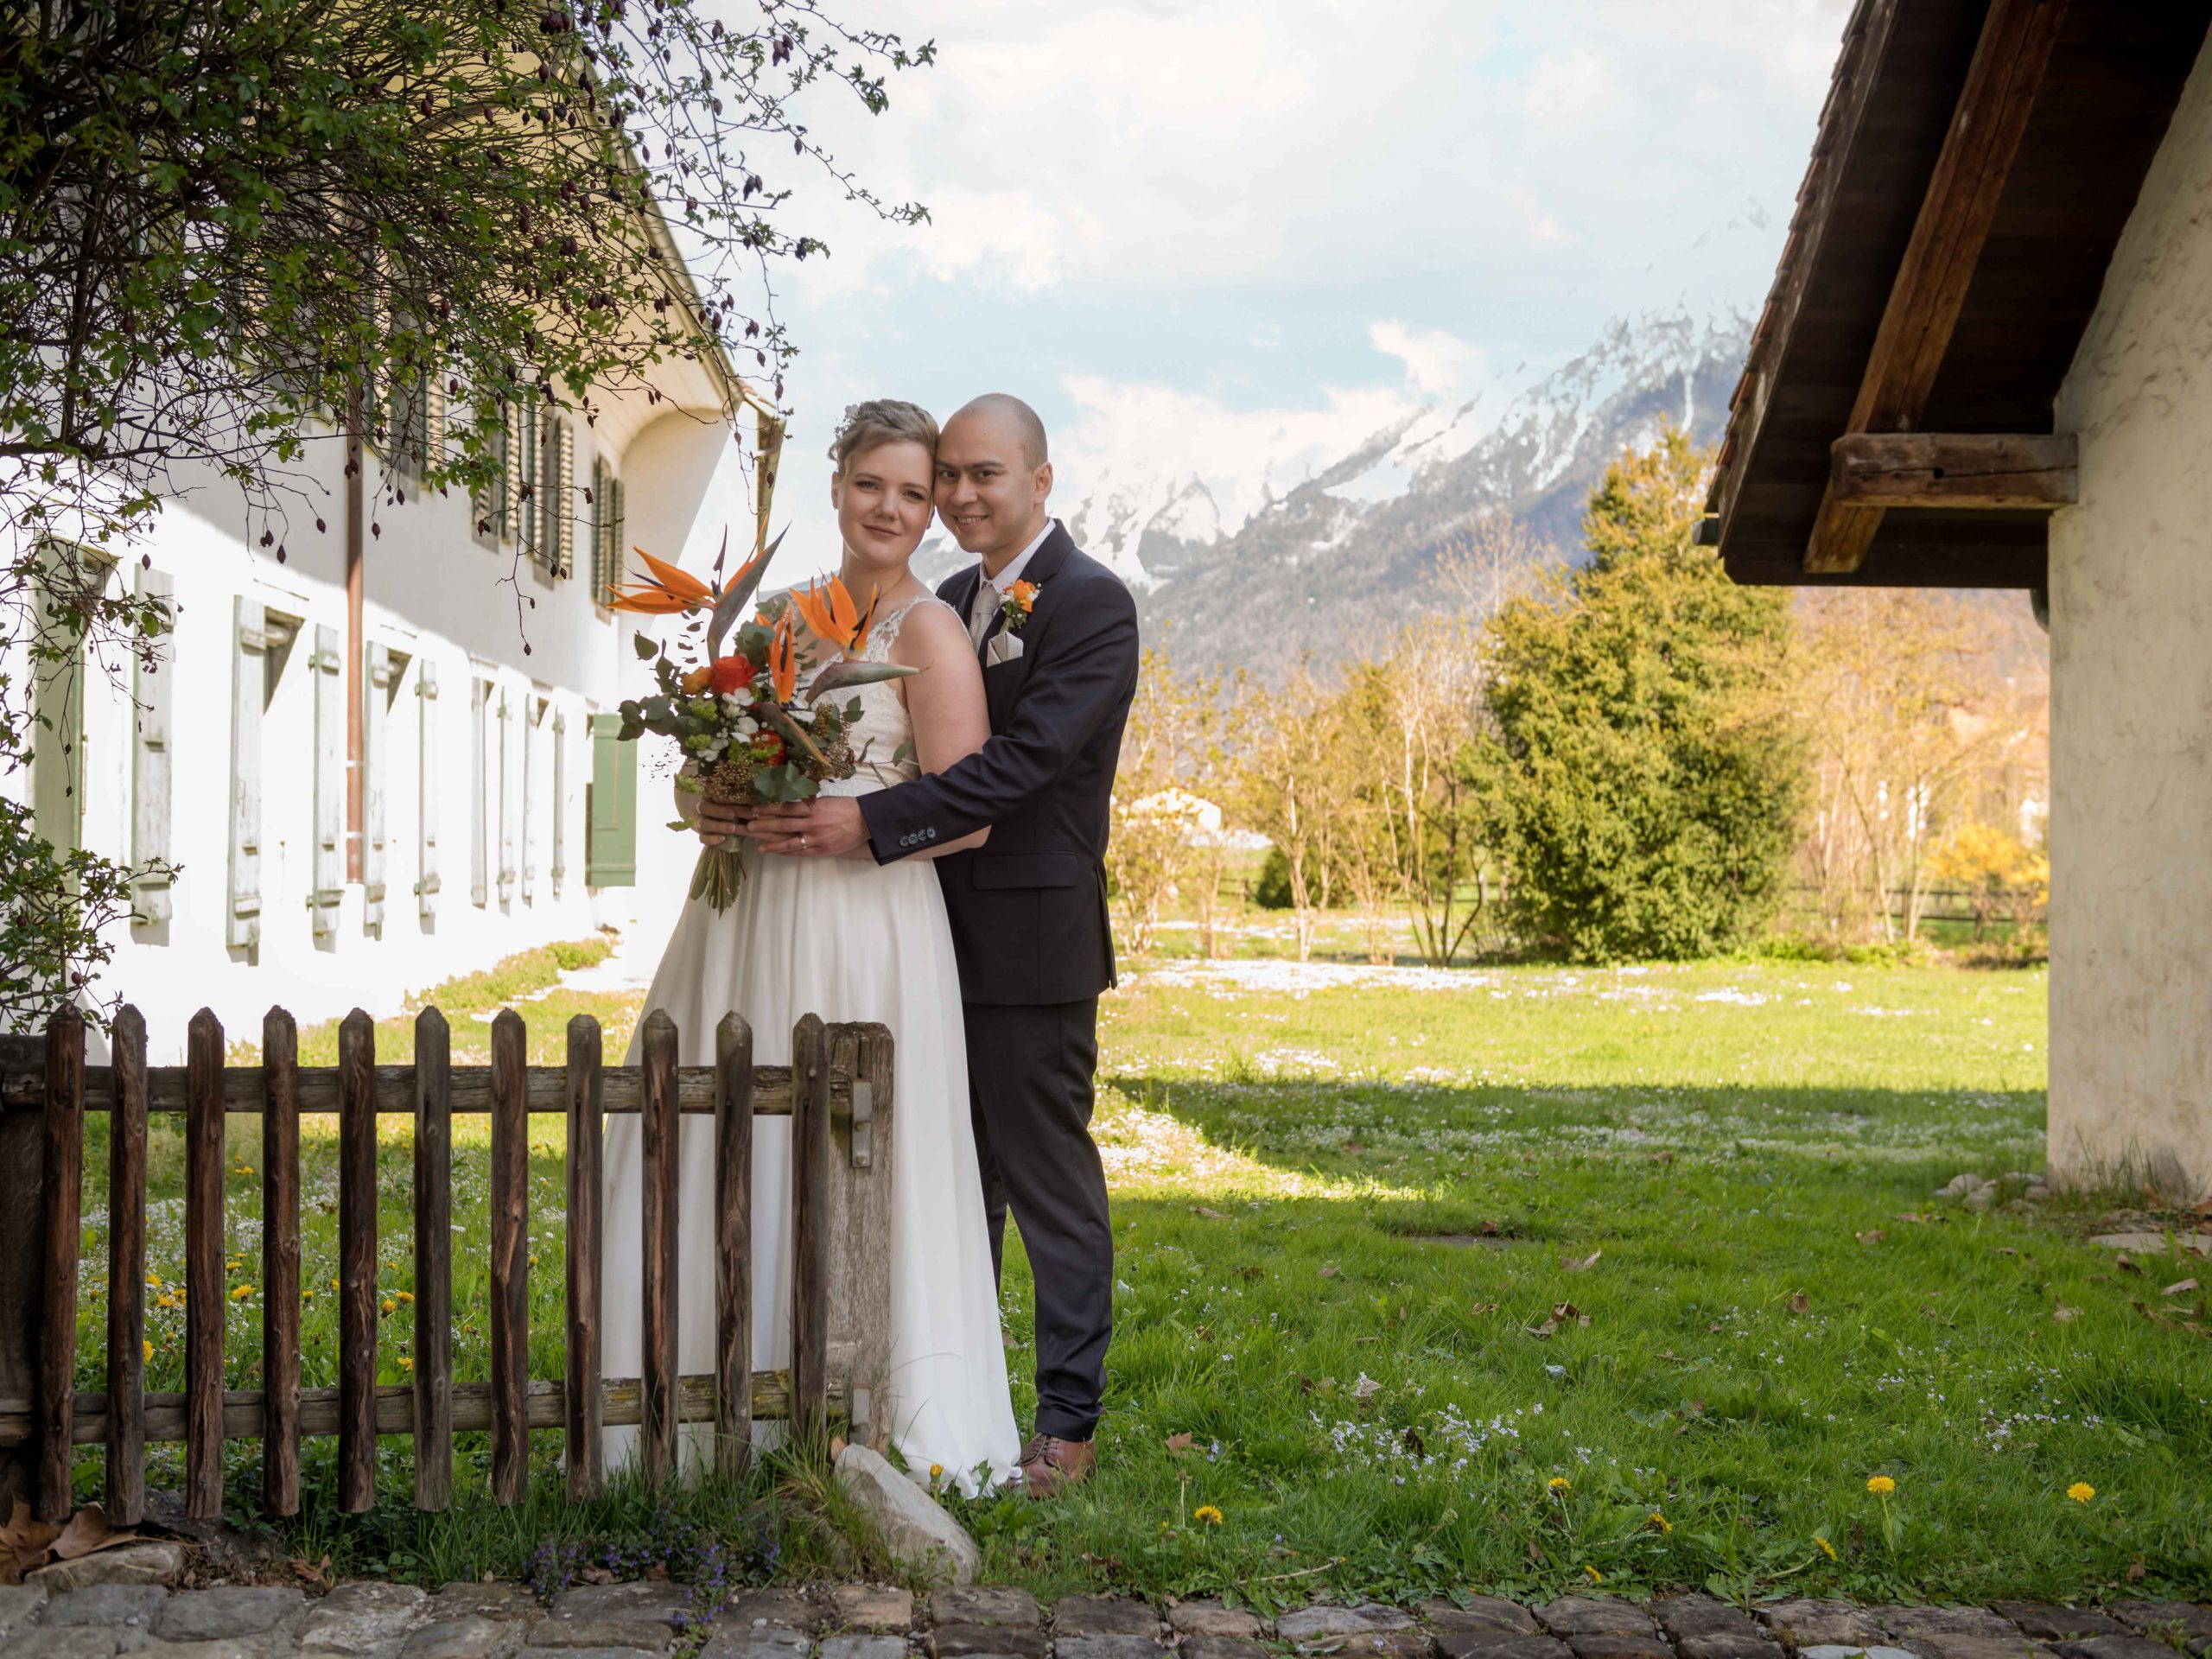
{"points": [[1975, 164]]}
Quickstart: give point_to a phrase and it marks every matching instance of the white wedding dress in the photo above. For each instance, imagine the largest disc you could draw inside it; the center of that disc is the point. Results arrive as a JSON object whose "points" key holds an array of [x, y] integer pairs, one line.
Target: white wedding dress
{"points": [[848, 939]]}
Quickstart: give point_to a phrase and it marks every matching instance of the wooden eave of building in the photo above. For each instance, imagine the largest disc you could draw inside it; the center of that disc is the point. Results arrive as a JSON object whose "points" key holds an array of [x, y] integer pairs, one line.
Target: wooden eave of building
{"points": [[2104, 85]]}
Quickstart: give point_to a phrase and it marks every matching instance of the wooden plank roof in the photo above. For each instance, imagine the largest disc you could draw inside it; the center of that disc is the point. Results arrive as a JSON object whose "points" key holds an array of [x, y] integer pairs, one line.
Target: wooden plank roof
{"points": [[2112, 79]]}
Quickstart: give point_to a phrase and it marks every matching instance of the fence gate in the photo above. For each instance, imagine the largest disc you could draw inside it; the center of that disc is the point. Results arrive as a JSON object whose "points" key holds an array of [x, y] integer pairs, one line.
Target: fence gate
{"points": [[837, 1092]]}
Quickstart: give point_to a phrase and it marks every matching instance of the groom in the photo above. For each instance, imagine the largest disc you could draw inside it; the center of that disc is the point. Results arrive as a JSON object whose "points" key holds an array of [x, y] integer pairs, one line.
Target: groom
{"points": [[1058, 635]]}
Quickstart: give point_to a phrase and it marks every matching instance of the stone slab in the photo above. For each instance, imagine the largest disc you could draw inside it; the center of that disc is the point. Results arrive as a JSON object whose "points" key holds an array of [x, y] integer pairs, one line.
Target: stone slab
{"points": [[2113, 1647], [1501, 1644], [858, 1646], [499, 1599], [1686, 1616], [362, 1619], [226, 1610], [967, 1641], [584, 1653], [746, 1643], [1308, 1623], [2182, 1618], [1103, 1616], [1944, 1621], [1940, 1646], [640, 1599], [2048, 1622], [655, 1635], [1619, 1644], [1107, 1646], [1844, 1650], [268, 1644], [19, 1605], [470, 1637], [1804, 1623], [1589, 1615], [148, 1561], [984, 1604], [785, 1609], [873, 1607], [119, 1607], [67, 1641], [1220, 1647], [1481, 1613], [1211, 1618], [1410, 1644]]}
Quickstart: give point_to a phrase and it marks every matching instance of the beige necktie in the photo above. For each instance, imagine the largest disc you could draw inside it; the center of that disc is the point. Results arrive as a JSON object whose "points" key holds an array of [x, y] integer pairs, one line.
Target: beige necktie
{"points": [[980, 610]]}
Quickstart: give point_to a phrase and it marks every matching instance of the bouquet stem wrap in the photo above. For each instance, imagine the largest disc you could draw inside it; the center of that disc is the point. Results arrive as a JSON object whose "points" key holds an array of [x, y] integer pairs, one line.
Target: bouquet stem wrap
{"points": [[719, 874]]}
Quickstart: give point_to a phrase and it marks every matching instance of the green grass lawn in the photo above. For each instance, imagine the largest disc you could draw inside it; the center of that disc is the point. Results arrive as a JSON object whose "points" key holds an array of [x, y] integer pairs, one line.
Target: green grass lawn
{"points": [[1516, 1279]]}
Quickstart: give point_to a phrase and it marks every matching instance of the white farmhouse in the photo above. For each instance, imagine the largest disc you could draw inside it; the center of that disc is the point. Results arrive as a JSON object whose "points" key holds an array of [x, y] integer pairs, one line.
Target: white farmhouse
{"points": [[1987, 362], [389, 758]]}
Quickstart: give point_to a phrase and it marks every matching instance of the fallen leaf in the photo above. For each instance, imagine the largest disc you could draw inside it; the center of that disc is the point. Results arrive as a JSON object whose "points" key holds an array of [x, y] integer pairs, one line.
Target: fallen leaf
{"points": [[1662, 1157], [1582, 1264], [1872, 1235], [1485, 1307], [2063, 1313], [2152, 1315], [2127, 1263], [1366, 1389], [1179, 1444], [1359, 1341], [597, 1575], [2179, 1288], [2137, 1571], [1800, 1303], [657, 1572], [1251, 1273], [88, 1530], [2006, 1250], [1488, 1230], [1200, 1211], [1333, 1272]]}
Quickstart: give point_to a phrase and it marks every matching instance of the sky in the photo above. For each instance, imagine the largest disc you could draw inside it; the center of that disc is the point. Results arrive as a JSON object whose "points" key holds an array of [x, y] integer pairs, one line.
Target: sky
{"points": [[1232, 238]]}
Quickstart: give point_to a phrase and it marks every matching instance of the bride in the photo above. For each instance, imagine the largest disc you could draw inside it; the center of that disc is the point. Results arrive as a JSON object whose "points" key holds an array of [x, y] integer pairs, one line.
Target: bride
{"points": [[851, 940]]}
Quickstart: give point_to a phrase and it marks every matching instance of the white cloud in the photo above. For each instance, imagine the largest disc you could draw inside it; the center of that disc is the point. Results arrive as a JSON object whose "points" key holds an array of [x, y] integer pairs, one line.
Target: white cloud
{"points": [[1438, 364]]}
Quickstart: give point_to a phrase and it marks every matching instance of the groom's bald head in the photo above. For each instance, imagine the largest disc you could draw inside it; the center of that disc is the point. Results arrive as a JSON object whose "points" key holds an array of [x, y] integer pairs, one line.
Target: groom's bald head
{"points": [[1008, 414], [993, 475]]}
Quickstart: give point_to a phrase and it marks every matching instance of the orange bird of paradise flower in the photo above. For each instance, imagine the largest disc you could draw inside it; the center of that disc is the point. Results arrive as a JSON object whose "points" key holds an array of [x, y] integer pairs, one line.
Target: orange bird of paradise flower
{"points": [[783, 660], [829, 611], [666, 589]]}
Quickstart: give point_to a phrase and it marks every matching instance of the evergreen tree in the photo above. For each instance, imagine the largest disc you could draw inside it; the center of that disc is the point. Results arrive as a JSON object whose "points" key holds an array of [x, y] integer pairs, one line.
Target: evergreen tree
{"points": [[1651, 775]]}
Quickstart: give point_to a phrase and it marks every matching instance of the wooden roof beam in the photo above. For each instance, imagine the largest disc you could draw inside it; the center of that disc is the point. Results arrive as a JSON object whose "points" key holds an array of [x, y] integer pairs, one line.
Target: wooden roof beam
{"points": [[1948, 237], [1880, 470]]}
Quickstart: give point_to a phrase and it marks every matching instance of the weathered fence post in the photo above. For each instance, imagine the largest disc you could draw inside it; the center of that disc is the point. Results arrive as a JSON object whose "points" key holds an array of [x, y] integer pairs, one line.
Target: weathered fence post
{"points": [[733, 1246], [861, 1225], [510, 1257], [658, 1126], [57, 1325], [585, 1123], [433, 1261], [126, 1275], [22, 1249], [280, 1263], [203, 1267], [809, 1228], [357, 1262]]}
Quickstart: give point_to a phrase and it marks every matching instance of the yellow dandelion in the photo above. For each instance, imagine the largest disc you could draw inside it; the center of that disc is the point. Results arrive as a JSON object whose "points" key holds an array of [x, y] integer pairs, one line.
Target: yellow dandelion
{"points": [[1826, 1549], [405, 1296], [1558, 1483], [334, 1284], [165, 1303], [389, 1305], [1207, 1513], [1659, 1523], [241, 1292], [2081, 1491], [1881, 1485], [153, 1282], [1596, 1577], [936, 1471], [405, 1363], [149, 1350]]}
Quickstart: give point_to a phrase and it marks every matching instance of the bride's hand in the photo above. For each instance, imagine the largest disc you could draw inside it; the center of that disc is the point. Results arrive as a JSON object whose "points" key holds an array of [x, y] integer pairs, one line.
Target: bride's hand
{"points": [[718, 821]]}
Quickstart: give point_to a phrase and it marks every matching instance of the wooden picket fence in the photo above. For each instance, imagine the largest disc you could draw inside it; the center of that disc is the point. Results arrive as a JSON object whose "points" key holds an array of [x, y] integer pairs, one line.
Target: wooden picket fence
{"points": [[837, 1092]]}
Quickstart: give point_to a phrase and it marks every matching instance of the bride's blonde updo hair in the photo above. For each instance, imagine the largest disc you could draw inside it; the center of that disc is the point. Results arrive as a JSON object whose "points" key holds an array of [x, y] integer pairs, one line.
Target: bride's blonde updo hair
{"points": [[879, 421]]}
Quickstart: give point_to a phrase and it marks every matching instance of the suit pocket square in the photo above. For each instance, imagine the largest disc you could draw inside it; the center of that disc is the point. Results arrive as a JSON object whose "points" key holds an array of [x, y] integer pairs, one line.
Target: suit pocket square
{"points": [[1003, 648]]}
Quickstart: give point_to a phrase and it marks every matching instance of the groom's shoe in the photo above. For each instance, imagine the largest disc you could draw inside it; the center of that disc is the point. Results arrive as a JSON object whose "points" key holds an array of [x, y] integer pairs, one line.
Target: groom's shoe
{"points": [[1049, 1465]]}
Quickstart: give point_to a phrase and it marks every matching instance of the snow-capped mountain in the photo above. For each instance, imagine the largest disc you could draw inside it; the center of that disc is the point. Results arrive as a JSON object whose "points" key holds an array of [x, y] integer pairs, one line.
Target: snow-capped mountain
{"points": [[1350, 547]]}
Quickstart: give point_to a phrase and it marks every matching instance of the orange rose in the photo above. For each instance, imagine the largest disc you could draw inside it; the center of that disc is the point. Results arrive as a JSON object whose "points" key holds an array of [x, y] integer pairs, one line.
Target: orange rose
{"points": [[732, 674]]}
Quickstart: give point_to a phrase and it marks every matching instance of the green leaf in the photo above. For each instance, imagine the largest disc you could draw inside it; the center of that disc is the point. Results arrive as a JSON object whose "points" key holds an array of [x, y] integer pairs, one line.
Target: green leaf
{"points": [[645, 648]]}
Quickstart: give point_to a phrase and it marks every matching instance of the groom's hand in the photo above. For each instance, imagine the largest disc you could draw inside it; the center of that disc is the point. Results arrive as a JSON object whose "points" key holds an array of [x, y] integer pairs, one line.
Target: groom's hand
{"points": [[829, 826]]}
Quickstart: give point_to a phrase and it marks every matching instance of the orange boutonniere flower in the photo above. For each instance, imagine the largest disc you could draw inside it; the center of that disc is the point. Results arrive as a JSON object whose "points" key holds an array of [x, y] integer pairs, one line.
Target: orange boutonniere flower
{"points": [[1020, 601]]}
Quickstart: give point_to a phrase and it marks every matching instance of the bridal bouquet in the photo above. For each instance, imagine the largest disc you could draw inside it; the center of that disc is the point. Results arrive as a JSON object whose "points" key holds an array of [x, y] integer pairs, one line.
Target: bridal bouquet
{"points": [[747, 734]]}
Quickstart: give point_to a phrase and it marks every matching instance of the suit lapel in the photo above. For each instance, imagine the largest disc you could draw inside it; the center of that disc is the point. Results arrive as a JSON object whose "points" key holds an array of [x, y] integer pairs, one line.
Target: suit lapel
{"points": [[1044, 564]]}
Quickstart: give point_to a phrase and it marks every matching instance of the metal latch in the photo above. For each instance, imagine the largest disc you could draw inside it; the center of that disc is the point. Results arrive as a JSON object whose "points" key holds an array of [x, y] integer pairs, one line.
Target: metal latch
{"points": [[863, 1121]]}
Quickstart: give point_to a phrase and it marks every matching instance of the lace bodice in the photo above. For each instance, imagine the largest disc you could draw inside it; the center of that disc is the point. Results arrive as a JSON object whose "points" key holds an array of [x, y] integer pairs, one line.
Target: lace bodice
{"points": [[883, 738]]}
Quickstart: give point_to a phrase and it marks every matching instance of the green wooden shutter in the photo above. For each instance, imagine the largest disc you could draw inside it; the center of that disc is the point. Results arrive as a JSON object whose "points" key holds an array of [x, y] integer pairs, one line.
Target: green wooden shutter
{"points": [[149, 756], [249, 672], [565, 501], [611, 857], [602, 523], [426, 772]]}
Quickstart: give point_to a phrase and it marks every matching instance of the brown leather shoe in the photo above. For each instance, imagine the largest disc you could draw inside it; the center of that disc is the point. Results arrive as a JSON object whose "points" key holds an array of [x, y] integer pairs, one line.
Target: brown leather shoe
{"points": [[1049, 1465]]}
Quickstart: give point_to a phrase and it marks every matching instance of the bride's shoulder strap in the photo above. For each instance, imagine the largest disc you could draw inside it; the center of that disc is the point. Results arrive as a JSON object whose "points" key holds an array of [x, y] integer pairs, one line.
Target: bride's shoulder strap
{"points": [[884, 635]]}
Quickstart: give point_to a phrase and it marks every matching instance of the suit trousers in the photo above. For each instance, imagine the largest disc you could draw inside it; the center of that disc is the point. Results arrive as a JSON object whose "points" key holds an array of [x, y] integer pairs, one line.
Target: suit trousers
{"points": [[1030, 1086]]}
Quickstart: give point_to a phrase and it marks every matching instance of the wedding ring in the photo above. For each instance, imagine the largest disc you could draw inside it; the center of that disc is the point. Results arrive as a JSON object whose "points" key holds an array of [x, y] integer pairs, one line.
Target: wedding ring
{"points": [[802, 841]]}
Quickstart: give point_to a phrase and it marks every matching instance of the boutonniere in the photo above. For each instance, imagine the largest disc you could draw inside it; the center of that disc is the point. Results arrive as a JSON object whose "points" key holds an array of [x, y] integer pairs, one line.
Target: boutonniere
{"points": [[1020, 601]]}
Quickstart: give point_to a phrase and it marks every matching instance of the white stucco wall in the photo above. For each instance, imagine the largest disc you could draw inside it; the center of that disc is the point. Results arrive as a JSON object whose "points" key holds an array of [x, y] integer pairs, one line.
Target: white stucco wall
{"points": [[2131, 626], [433, 593]]}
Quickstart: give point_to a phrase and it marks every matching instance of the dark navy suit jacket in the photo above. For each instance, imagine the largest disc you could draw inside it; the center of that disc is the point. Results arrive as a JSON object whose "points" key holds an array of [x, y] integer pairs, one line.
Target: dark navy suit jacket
{"points": [[1029, 907]]}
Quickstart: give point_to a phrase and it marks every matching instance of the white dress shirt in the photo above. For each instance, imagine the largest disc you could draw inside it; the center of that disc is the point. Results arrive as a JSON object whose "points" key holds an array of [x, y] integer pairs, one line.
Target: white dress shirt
{"points": [[991, 591]]}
